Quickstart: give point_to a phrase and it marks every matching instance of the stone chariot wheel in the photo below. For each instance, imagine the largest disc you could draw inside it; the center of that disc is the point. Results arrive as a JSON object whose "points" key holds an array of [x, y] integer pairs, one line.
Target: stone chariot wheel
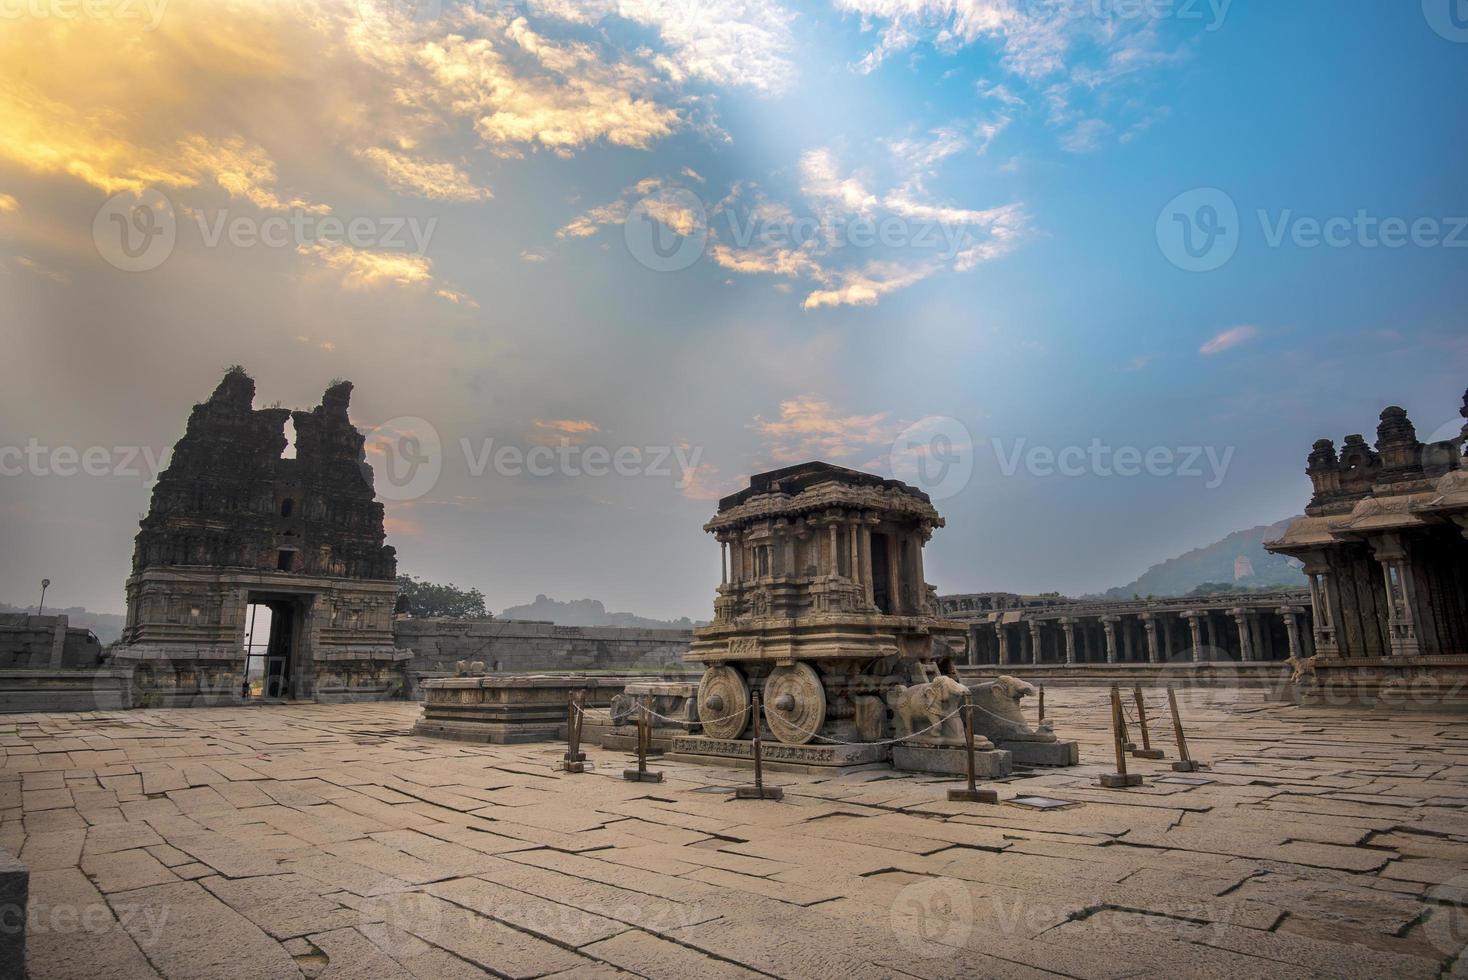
{"points": [[723, 702], [795, 703]]}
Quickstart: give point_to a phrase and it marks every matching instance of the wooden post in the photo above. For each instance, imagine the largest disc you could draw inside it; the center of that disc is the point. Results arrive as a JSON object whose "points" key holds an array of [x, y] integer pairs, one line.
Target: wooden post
{"points": [[575, 760], [1121, 778], [1185, 762], [758, 791], [972, 794], [1146, 751], [644, 746]]}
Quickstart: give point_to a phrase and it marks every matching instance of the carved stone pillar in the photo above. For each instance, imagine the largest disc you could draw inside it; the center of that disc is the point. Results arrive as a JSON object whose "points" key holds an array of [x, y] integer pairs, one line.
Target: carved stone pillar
{"points": [[1292, 628], [1003, 638], [1109, 624], [1069, 625], [1396, 569], [1149, 624], [1246, 641], [866, 562], [1191, 615], [1036, 646], [853, 551], [1323, 603], [723, 562]]}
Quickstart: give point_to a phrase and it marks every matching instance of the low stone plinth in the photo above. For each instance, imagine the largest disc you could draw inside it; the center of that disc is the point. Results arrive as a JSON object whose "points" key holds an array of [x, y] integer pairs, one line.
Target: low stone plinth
{"points": [[1042, 753], [15, 882], [945, 761], [506, 709], [776, 755]]}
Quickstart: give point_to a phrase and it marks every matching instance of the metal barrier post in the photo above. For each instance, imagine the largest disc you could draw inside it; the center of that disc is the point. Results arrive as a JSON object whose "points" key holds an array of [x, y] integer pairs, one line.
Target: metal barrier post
{"points": [[758, 791], [1042, 702], [1146, 751], [972, 794], [1185, 762], [1121, 778]]}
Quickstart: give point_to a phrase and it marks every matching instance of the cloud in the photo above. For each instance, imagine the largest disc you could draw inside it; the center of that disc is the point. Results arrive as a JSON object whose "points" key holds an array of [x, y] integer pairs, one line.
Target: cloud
{"points": [[729, 42], [1228, 339], [41, 270], [568, 426], [424, 178], [704, 482], [839, 250], [809, 428], [1065, 52], [822, 182], [362, 270], [8, 204], [553, 432]]}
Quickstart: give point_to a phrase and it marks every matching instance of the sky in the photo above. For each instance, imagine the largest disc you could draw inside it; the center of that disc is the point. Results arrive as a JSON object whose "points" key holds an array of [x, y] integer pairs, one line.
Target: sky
{"points": [[1094, 273]]}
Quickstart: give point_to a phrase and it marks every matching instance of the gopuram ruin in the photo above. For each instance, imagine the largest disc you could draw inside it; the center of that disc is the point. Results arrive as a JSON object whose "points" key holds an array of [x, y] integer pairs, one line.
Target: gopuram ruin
{"points": [[236, 525]]}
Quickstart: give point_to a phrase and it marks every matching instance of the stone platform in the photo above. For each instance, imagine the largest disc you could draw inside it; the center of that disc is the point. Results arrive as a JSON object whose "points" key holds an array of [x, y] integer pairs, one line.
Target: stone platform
{"points": [[1042, 753], [325, 841], [739, 752], [988, 764], [508, 708]]}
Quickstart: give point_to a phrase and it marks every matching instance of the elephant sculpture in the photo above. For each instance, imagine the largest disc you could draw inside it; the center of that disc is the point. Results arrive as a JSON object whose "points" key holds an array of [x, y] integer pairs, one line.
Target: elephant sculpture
{"points": [[922, 710], [997, 711]]}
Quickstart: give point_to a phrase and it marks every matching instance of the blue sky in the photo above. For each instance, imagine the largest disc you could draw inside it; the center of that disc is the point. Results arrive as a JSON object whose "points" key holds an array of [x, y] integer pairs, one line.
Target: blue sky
{"points": [[1045, 137]]}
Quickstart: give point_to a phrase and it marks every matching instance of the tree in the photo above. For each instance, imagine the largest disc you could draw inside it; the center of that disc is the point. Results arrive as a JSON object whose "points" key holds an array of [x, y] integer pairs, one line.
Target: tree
{"points": [[428, 599]]}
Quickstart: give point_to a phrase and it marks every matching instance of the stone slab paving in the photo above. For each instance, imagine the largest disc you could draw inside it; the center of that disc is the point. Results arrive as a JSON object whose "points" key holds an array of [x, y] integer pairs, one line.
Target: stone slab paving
{"points": [[324, 841]]}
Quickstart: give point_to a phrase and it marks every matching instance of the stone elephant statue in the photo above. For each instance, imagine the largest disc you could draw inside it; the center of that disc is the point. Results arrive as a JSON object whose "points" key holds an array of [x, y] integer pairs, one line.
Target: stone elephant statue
{"points": [[922, 706], [997, 712]]}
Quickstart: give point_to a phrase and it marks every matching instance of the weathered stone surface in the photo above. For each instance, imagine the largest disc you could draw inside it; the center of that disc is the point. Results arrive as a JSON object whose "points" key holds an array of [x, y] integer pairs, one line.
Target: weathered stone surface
{"points": [[1321, 848]]}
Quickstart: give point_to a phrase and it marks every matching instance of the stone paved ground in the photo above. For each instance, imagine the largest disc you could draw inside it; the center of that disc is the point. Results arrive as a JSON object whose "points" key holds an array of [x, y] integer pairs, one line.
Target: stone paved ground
{"points": [[324, 841]]}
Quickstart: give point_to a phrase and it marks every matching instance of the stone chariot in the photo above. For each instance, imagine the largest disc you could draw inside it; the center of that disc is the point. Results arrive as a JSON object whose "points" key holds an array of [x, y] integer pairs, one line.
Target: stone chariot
{"points": [[823, 609]]}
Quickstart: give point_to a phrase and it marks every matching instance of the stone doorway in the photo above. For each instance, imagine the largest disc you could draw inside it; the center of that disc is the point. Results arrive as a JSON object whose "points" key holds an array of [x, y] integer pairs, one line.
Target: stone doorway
{"points": [[271, 644]]}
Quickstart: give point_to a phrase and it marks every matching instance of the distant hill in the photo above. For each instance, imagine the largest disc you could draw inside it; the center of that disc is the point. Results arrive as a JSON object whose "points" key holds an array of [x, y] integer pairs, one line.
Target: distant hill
{"points": [[588, 612], [107, 626], [1239, 562]]}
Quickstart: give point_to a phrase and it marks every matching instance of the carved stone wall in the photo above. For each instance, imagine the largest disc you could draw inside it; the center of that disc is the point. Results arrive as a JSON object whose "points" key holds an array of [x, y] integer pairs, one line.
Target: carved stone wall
{"points": [[1384, 540]]}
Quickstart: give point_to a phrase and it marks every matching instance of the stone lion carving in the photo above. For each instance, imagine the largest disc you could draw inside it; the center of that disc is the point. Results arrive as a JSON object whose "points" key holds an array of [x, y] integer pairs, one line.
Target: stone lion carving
{"points": [[998, 715], [624, 709], [1302, 669], [469, 668], [922, 706]]}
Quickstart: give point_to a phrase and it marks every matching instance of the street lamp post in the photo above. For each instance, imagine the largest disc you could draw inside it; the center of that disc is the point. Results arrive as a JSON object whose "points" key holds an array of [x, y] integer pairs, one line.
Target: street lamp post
{"points": [[45, 583]]}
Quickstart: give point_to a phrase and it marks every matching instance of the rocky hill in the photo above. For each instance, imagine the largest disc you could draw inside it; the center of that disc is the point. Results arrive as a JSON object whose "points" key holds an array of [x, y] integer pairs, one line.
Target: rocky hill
{"points": [[1238, 560]]}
